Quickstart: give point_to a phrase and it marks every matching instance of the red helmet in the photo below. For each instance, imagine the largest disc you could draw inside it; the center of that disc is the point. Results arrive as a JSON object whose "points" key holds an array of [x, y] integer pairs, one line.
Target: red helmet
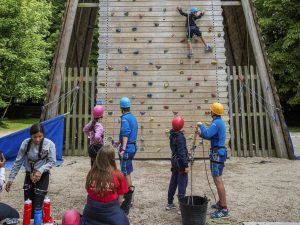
{"points": [[177, 123], [71, 217], [98, 111]]}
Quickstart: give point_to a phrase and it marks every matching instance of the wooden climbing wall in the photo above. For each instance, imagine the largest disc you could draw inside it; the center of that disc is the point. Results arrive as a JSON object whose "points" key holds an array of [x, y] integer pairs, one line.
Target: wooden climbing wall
{"points": [[142, 56]]}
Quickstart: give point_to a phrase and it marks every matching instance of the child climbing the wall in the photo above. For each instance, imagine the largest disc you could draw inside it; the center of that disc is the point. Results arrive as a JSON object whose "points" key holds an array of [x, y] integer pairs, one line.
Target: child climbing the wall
{"points": [[105, 185], [179, 162], [95, 131], [193, 29]]}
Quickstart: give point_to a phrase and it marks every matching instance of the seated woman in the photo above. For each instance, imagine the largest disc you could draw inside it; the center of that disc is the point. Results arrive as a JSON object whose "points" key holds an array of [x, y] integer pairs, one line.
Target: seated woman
{"points": [[8, 215], [105, 185]]}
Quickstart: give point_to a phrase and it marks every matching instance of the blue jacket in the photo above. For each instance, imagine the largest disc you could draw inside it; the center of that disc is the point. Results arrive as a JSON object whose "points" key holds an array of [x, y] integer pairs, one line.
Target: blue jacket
{"points": [[179, 150], [216, 132], [129, 129]]}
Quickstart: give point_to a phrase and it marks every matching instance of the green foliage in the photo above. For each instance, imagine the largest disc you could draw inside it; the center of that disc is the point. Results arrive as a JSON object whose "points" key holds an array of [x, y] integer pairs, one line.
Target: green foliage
{"points": [[24, 52], [280, 24]]}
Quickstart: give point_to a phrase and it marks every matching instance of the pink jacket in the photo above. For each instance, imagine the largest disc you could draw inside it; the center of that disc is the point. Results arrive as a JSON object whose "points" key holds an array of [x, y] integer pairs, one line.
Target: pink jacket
{"points": [[96, 133]]}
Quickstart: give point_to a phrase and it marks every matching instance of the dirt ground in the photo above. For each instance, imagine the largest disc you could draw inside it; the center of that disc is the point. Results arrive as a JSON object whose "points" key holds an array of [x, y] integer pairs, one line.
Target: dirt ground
{"points": [[258, 189]]}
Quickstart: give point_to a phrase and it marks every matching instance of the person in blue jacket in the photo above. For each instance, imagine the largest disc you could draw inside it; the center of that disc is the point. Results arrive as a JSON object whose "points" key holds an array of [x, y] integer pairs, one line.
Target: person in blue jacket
{"points": [[216, 133], [127, 139], [179, 162]]}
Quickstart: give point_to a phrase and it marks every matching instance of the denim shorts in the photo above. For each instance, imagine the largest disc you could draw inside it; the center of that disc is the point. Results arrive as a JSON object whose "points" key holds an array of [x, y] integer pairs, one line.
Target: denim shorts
{"points": [[126, 163]]}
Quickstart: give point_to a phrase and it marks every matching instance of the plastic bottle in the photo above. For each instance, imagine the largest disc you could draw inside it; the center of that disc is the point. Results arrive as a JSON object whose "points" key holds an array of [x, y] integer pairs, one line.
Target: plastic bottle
{"points": [[38, 216], [47, 219], [27, 212]]}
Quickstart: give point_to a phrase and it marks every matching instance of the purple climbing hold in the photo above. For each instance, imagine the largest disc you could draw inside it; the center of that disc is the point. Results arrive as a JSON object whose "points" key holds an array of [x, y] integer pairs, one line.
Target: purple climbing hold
{"points": [[135, 73], [118, 84], [120, 51], [126, 68], [197, 84], [158, 67], [149, 95], [142, 113], [118, 30], [136, 52], [156, 24], [150, 83], [126, 13], [134, 29], [134, 85], [166, 107]]}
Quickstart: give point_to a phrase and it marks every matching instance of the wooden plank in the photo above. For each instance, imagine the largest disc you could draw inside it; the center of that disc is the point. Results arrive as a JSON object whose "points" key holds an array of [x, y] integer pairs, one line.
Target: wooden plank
{"points": [[230, 3], [261, 120], [280, 144], [236, 111], [59, 61], [161, 18], [86, 105], [169, 35], [248, 105], [74, 113], [63, 92], [268, 128], [242, 109], [231, 121], [88, 5], [68, 122], [80, 113], [254, 104]]}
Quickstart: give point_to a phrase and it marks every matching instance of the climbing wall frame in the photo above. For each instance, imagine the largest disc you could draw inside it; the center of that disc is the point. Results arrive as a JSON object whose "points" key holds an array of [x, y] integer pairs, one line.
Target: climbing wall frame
{"points": [[142, 55]]}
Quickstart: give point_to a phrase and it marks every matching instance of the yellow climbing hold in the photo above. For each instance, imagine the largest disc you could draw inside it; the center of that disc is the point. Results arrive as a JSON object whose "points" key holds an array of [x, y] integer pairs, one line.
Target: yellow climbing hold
{"points": [[151, 119], [166, 84], [111, 100], [214, 62]]}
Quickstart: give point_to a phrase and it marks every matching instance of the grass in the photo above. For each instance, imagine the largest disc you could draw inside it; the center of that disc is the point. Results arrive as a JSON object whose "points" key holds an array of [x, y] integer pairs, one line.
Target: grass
{"points": [[16, 124], [294, 129]]}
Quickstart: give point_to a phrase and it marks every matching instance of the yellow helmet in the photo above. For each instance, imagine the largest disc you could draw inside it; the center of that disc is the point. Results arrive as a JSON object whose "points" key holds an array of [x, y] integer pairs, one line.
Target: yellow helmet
{"points": [[217, 108]]}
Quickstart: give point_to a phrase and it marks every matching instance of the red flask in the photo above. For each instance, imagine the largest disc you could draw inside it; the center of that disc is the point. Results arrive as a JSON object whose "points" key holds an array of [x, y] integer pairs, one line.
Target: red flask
{"points": [[27, 212], [47, 211]]}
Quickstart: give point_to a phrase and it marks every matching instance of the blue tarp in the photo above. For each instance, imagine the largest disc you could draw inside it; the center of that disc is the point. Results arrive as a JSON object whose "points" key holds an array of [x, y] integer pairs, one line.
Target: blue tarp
{"points": [[54, 130]]}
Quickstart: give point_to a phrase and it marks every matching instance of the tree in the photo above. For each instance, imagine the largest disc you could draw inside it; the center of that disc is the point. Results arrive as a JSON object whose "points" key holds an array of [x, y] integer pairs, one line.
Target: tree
{"points": [[24, 53], [280, 24]]}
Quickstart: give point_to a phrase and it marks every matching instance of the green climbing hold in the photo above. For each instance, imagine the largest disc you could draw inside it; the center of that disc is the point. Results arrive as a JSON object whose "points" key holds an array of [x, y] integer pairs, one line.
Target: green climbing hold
{"points": [[110, 113], [150, 107], [181, 95], [111, 100]]}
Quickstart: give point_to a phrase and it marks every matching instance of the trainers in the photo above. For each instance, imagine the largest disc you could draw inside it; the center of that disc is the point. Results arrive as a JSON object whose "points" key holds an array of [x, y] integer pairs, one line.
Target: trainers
{"points": [[220, 213], [216, 206], [170, 206]]}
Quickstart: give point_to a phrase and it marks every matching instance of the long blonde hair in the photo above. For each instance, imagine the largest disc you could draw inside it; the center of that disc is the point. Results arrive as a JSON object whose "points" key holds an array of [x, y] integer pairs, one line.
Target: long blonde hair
{"points": [[100, 175]]}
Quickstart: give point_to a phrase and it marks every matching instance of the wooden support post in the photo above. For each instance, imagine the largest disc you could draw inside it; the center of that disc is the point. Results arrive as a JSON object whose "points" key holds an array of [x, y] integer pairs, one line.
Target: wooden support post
{"points": [[59, 61], [280, 144]]}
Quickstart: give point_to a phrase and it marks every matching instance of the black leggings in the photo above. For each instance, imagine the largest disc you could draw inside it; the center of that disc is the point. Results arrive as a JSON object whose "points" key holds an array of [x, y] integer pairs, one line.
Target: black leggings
{"points": [[36, 192]]}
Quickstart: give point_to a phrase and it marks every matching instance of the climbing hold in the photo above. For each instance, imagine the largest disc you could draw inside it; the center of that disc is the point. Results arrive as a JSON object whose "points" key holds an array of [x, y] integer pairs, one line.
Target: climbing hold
{"points": [[120, 51], [205, 79], [112, 14], [118, 84], [158, 67], [150, 107], [182, 41], [197, 61], [167, 131], [219, 34], [142, 126], [151, 119], [110, 113], [134, 39], [164, 19], [142, 149], [134, 85], [197, 84], [173, 25], [156, 24], [181, 95], [166, 84], [110, 67], [141, 16], [118, 30], [142, 113], [150, 83], [166, 107], [149, 95], [207, 113], [158, 150], [150, 63], [158, 125], [102, 84], [173, 35], [101, 68], [174, 113], [191, 90], [198, 107], [126, 13], [181, 72], [181, 62], [136, 52], [165, 51], [191, 137], [150, 9], [210, 29], [133, 0], [150, 131], [134, 29], [214, 62], [142, 138], [135, 73], [126, 68], [213, 95], [149, 41], [190, 101], [174, 89], [133, 96], [189, 78], [206, 100], [165, 10], [220, 67], [111, 100], [142, 102]]}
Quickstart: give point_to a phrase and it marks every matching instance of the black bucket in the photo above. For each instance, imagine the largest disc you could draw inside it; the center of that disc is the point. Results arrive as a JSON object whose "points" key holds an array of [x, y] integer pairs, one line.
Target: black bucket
{"points": [[193, 210], [126, 204]]}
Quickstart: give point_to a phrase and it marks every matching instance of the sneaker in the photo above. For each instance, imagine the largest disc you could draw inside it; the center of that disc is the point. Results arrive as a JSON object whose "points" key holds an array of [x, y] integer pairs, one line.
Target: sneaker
{"points": [[220, 213], [216, 206], [170, 206]]}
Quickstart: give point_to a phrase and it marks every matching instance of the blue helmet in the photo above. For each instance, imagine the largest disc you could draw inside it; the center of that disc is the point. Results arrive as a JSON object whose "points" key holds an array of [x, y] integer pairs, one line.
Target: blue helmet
{"points": [[194, 9], [125, 102]]}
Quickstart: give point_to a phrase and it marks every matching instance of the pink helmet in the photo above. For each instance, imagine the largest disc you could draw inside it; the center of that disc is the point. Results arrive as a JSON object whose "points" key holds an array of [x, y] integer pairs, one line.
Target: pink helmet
{"points": [[98, 111], [71, 217]]}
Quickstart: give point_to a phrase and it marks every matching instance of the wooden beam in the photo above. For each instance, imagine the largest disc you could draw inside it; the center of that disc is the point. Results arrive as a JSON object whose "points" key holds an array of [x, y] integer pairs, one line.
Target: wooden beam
{"points": [[59, 61], [88, 5], [281, 148], [230, 3]]}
